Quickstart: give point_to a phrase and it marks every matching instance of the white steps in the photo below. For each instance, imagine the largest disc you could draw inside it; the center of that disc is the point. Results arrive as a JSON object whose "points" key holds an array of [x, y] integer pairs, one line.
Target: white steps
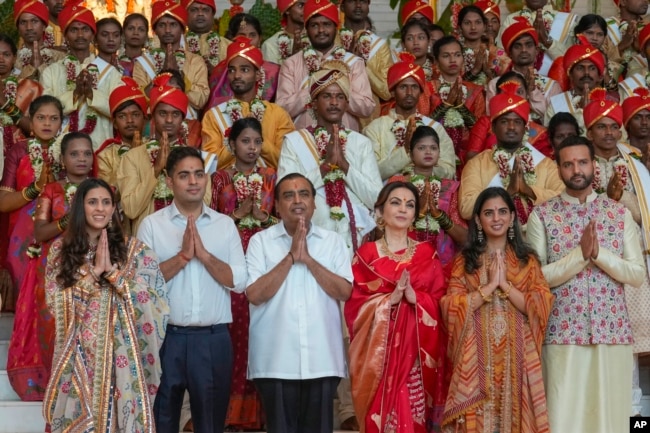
{"points": [[15, 416]]}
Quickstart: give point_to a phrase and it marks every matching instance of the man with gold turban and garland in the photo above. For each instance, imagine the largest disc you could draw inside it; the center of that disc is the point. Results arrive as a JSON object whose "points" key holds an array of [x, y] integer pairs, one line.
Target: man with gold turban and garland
{"points": [[81, 81], [321, 21], [140, 174], [200, 38], [291, 37], [168, 21], [585, 67], [590, 249], [389, 133], [528, 176], [31, 17], [246, 79]]}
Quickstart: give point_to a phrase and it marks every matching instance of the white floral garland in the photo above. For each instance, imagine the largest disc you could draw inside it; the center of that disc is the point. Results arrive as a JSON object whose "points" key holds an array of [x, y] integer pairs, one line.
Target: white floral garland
{"points": [[214, 44], [25, 56], [619, 166], [426, 222], [159, 56], [234, 109], [502, 158], [453, 118], [322, 138], [548, 15], [35, 152], [245, 187], [399, 128], [285, 44], [312, 58]]}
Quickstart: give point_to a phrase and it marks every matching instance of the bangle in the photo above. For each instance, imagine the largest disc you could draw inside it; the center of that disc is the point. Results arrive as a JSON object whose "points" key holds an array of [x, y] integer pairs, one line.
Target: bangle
{"points": [[506, 294], [112, 276], [268, 215], [444, 221], [293, 262], [30, 192], [36, 187], [485, 298], [62, 223]]}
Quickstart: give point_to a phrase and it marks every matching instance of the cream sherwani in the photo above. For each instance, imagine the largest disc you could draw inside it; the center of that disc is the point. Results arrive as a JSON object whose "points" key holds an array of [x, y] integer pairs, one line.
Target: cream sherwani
{"points": [[28, 70], [392, 158], [481, 172], [276, 123], [293, 90], [271, 51], [562, 103], [136, 182], [54, 80], [587, 356], [380, 59], [362, 181], [194, 70]]}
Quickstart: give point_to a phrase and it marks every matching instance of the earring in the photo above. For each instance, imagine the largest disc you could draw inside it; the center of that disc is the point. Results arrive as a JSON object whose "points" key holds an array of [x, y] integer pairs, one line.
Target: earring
{"points": [[110, 223], [381, 223], [511, 231], [479, 234]]}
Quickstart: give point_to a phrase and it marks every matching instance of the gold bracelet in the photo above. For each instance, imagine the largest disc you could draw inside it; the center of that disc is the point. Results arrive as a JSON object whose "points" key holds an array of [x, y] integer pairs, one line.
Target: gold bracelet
{"points": [[23, 192], [485, 298], [58, 226], [93, 274]]}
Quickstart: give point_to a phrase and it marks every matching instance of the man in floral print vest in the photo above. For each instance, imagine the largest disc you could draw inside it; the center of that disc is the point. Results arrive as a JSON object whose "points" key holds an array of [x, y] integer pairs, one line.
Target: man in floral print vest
{"points": [[81, 81], [321, 21], [245, 78], [389, 133], [589, 248], [622, 176], [513, 164], [168, 21]]}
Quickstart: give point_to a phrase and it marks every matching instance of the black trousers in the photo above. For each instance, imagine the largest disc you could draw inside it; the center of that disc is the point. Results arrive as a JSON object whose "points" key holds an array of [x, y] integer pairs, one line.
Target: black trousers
{"points": [[298, 406], [199, 360]]}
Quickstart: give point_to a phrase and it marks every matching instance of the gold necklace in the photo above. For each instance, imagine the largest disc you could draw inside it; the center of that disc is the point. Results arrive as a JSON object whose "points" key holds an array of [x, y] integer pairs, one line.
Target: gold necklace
{"points": [[406, 256]]}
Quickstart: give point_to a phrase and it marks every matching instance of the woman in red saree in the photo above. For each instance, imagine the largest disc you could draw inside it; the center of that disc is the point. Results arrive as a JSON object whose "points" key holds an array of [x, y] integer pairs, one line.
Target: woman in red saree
{"points": [[29, 166], [496, 309], [32, 341], [398, 344], [245, 192]]}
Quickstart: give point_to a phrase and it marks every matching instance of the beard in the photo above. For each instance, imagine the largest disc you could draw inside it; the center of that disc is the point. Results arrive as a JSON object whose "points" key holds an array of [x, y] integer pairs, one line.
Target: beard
{"points": [[579, 183]]}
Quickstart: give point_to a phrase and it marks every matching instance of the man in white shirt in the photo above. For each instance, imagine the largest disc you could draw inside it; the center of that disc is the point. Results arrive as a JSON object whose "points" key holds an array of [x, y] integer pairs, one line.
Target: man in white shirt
{"points": [[298, 273], [202, 260]]}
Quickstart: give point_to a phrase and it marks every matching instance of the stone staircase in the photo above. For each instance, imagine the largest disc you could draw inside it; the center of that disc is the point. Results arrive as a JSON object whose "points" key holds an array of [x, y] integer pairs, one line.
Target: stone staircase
{"points": [[15, 416]]}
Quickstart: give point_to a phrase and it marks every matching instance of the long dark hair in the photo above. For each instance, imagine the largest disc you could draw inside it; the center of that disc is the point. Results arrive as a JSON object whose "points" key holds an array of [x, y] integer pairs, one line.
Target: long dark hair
{"points": [[75, 243], [473, 248]]}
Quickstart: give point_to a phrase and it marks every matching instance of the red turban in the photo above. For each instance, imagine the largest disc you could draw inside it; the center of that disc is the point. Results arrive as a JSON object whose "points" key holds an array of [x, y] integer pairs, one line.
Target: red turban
{"points": [[161, 91], [509, 102], [635, 103], [34, 7], [517, 29], [168, 7], [644, 37], [599, 107], [241, 47], [583, 51], [489, 6], [128, 92], [210, 3], [321, 7], [76, 12], [413, 7], [283, 6], [403, 69]]}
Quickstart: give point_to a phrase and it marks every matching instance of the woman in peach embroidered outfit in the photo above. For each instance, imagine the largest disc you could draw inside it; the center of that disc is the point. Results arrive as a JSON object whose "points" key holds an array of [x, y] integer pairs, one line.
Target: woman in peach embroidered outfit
{"points": [[496, 309], [397, 347]]}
